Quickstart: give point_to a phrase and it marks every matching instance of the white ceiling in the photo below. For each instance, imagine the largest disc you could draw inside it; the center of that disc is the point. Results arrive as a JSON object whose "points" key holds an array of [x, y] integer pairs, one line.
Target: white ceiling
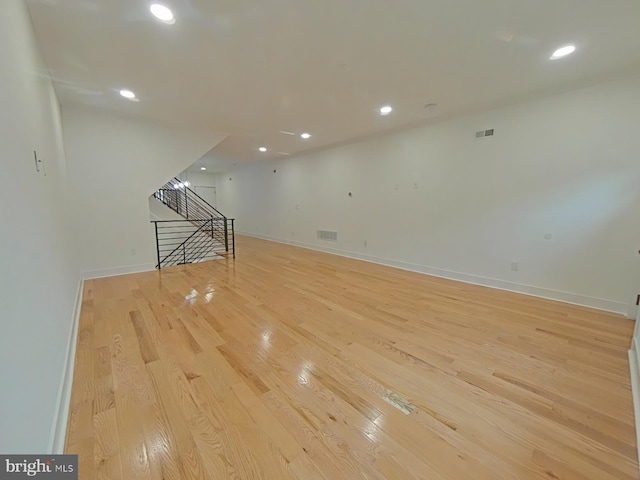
{"points": [[251, 68]]}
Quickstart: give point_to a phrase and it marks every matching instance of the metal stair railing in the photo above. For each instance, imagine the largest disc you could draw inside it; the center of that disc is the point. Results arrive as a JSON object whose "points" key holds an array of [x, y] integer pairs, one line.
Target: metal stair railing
{"points": [[187, 203]]}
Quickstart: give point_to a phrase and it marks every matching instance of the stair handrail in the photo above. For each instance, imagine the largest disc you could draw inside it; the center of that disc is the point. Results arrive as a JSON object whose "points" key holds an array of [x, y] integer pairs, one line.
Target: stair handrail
{"points": [[177, 195], [183, 244], [177, 184]]}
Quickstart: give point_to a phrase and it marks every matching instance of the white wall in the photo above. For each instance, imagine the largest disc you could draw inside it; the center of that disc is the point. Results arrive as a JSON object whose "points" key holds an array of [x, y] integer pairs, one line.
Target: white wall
{"points": [[159, 211], [438, 200], [39, 277], [114, 165], [202, 183], [203, 179]]}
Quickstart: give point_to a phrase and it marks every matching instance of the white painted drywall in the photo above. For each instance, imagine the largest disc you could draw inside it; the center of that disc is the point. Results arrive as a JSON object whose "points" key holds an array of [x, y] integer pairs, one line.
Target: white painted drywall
{"points": [[437, 200], [203, 184], [159, 211], [114, 165], [39, 276], [203, 179]]}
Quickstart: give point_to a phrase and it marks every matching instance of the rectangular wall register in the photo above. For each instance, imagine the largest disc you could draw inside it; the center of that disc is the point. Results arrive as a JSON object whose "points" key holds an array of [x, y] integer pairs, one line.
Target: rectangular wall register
{"points": [[327, 235]]}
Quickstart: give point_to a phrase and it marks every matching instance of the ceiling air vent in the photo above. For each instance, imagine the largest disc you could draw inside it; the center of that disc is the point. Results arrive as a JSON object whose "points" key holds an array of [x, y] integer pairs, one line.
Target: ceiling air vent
{"points": [[327, 235]]}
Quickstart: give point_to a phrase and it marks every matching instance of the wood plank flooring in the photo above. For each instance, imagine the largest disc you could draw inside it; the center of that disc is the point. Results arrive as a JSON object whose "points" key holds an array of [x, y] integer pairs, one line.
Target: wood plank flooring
{"points": [[294, 364]]}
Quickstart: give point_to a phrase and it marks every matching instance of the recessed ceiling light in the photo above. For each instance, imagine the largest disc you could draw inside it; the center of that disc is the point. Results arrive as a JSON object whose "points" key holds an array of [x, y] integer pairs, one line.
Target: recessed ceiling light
{"points": [[386, 110], [162, 13], [563, 52], [203, 168], [263, 149], [306, 135], [128, 94]]}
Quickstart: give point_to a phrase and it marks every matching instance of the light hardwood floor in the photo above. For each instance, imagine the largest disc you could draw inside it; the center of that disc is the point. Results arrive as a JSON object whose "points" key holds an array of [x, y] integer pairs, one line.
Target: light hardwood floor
{"points": [[294, 364]]}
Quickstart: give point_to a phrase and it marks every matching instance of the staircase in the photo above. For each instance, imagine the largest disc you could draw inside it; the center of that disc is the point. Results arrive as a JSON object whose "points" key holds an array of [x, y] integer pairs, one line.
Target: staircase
{"points": [[204, 234]]}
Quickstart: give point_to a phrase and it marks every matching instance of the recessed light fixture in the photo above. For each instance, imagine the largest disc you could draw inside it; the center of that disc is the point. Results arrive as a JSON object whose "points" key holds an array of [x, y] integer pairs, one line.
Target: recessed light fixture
{"points": [[263, 149], [128, 94], [386, 110], [203, 168], [162, 13], [563, 52], [306, 135]]}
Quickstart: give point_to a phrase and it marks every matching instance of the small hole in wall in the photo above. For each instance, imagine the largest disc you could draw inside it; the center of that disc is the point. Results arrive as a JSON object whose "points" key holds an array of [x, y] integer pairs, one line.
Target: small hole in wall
{"points": [[274, 171], [350, 194], [229, 178]]}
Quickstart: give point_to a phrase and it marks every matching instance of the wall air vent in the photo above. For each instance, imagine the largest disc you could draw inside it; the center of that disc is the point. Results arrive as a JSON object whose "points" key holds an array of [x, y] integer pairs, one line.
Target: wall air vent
{"points": [[327, 235], [485, 133]]}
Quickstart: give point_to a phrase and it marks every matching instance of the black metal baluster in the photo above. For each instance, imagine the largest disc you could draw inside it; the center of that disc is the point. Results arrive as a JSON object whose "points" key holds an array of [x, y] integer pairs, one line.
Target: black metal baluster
{"points": [[226, 235], [233, 237], [186, 202], [157, 245]]}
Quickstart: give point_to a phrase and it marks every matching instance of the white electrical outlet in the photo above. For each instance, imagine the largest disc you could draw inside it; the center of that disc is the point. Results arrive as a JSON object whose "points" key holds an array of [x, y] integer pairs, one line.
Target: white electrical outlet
{"points": [[515, 266]]}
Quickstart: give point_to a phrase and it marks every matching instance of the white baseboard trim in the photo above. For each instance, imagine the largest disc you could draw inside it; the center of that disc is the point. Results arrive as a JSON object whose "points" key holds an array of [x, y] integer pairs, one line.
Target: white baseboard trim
{"points": [[113, 272], [566, 297], [634, 367], [59, 427]]}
